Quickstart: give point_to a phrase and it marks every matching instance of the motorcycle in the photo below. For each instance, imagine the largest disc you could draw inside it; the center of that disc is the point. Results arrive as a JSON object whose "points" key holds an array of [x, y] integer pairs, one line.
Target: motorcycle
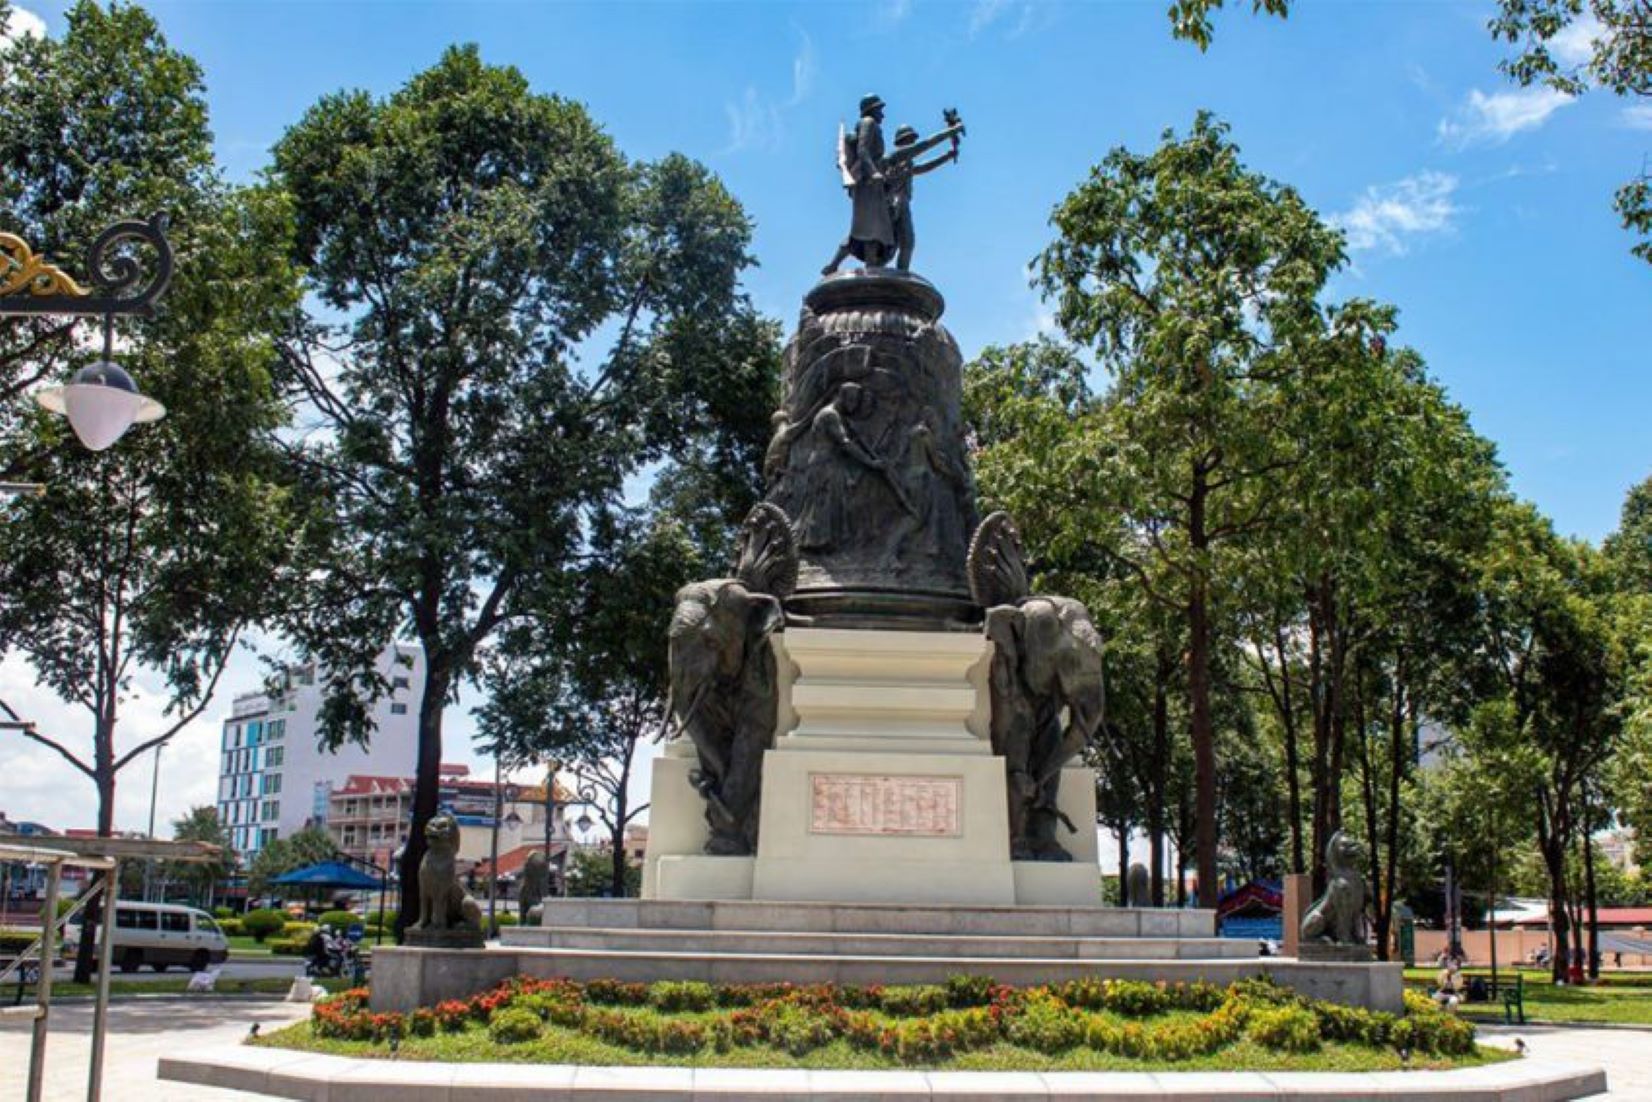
{"points": [[330, 953]]}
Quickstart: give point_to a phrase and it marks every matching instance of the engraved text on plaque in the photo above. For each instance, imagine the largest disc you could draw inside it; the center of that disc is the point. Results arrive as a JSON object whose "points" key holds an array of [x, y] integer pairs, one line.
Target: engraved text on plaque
{"points": [[862, 803]]}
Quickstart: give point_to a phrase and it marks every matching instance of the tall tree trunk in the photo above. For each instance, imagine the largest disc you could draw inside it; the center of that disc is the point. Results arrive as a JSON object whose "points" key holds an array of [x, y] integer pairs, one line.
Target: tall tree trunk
{"points": [[1551, 843], [1157, 784], [1293, 764], [1198, 691], [1319, 767], [1589, 901], [427, 780], [1400, 720], [103, 762]]}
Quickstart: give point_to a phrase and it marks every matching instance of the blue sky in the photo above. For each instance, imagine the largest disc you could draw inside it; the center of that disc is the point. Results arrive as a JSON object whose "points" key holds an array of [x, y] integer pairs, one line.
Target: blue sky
{"points": [[1482, 210]]}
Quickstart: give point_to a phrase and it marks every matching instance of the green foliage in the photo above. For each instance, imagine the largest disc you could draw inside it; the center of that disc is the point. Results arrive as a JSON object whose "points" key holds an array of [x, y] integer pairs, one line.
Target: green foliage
{"points": [[1285, 1028], [261, 924], [1046, 1025], [340, 920], [908, 1001], [591, 873], [476, 233], [283, 855], [1190, 19], [289, 946], [155, 557], [688, 995], [966, 990], [514, 1026]]}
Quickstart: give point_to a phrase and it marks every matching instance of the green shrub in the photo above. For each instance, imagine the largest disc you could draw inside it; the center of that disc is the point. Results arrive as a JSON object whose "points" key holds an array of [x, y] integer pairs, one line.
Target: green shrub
{"points": [[1285, 1028], [1046, 1024], [558, 1009], [14, 941], [796, 1029], [294, 930], [288, 946], [969, 990], [232, 927], [264, 923], [911, 1001], [506, 919], [514, 1025], [671, 997], [222, 913], [339, 920], [617, 993]]}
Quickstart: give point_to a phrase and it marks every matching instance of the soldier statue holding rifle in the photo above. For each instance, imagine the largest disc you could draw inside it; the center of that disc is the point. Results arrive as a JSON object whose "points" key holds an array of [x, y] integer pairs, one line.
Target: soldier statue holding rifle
{"points": [[880, 185]]}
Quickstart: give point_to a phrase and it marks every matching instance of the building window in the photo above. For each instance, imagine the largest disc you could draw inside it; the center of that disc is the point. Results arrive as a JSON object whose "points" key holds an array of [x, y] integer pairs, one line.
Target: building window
{"points": [[398, 683], [278, 730], [272, 809], [398, 709], [272, 784], [274, 756]]}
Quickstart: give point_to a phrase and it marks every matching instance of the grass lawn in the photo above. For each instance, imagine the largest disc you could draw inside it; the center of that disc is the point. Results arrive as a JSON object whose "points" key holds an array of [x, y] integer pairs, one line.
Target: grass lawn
{"points": [[1623, 998], [264, 985], [564, 1046]]}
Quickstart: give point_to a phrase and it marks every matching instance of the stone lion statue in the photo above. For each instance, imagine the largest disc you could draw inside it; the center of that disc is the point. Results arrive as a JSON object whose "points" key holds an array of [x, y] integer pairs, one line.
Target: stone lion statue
{"points": [[1338, 916], [444, 905]]}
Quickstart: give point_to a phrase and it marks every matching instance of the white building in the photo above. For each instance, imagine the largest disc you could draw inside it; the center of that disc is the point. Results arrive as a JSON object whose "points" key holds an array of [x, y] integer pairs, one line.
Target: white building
{"points": [[273, 779]]}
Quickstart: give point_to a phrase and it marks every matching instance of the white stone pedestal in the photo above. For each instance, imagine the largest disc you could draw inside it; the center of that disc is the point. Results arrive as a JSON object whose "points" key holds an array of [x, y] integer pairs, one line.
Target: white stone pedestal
{"points": [[881, 788]]}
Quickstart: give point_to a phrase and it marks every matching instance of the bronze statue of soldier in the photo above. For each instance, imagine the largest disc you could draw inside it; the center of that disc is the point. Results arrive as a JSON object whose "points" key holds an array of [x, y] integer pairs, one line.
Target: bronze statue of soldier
{"points": [[880, 187]]}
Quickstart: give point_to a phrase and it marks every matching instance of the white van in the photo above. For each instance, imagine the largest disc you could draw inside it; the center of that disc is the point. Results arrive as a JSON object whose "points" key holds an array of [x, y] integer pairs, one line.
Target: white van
{"points": [[163, 934]]}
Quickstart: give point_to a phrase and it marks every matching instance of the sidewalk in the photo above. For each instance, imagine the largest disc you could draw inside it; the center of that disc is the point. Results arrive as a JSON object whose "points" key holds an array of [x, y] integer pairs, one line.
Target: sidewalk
{"points": [[139, 1034], [1625, 1054]]}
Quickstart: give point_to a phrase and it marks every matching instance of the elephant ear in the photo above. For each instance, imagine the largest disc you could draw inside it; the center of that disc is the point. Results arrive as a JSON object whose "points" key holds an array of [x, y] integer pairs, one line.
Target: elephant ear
{"points": [[996, 565], [768, 552]]}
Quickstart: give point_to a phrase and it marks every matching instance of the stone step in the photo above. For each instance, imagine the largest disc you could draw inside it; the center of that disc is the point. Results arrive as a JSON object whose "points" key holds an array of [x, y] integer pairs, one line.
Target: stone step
{"points": [[805, 943], [879, 918]]}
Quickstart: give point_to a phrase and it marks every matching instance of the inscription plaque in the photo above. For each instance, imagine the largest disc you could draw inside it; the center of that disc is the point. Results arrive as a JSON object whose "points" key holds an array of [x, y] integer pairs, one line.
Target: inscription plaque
{"points": [[863, 803]]}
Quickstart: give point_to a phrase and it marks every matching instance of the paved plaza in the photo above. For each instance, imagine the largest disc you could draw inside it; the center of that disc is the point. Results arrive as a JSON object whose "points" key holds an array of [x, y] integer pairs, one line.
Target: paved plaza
{"points": [[145, 1029], [141, 1031]]}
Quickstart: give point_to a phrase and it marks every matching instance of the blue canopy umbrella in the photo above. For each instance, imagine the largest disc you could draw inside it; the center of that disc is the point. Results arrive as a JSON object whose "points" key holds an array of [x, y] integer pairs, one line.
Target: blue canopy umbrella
{"points": [[327, 874]]}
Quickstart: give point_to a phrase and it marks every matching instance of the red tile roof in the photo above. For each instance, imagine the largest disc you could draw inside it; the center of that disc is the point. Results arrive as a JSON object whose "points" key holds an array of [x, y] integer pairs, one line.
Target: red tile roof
{"points": [[510, 864]]}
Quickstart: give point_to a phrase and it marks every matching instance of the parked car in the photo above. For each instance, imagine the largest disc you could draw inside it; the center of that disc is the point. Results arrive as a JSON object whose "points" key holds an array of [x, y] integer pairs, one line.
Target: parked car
{"points": [[160, 935]]}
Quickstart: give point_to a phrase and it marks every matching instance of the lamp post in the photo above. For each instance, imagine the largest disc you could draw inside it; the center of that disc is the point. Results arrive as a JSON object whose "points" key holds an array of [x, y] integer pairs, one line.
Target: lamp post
{"points": [[102, 401], [154, 790], [550, 818], [493, 860]]}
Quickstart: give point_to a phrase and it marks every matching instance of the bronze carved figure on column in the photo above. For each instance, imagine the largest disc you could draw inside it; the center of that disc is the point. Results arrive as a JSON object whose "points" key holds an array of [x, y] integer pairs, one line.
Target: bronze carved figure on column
{"points": [[723, 676], [1046, 683]]}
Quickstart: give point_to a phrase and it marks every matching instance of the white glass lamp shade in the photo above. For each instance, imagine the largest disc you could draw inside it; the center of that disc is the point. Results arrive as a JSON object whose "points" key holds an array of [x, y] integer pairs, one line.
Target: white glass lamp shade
{"points": [[512, 821], [584, 823], [102, 402]]}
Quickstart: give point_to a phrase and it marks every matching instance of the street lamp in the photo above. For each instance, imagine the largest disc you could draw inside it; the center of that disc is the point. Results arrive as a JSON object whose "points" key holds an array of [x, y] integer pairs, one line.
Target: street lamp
{"points": [[101, 401]]}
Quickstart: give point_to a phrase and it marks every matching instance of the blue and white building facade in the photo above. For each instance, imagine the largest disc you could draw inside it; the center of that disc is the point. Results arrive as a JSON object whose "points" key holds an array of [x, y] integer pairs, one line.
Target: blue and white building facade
{"points": [[274, 780]]}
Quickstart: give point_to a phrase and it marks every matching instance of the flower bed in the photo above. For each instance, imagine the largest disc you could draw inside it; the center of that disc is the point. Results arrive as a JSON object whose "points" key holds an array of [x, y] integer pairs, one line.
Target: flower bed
{"points": [[968, 1022]]}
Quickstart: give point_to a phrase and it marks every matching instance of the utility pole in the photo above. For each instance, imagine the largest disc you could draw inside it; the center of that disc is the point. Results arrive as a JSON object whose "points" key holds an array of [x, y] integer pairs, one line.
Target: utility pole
{"points": [[154, 790]]}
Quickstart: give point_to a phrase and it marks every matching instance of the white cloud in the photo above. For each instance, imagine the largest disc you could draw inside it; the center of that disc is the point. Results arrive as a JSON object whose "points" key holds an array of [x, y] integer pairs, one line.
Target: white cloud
{"points": [[1638, 116], [40, 785], [1029, 15], [756, 121], [1575, 44], [24, 24], [803, 71], [1388, 216], [1496, 118], [892, 13]]}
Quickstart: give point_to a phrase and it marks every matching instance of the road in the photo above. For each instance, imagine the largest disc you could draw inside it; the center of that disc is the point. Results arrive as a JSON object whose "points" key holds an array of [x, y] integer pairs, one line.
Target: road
{"points": [[234, 968]]}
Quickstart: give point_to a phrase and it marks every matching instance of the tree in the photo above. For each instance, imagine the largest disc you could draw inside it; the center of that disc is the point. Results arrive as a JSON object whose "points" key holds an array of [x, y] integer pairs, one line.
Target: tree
{"points": [[201, 824], [591, 702], [480, 238], [1559, 666], [159, 554], [1190, 278], [309, 846], [1616, 55], [591, 874]]}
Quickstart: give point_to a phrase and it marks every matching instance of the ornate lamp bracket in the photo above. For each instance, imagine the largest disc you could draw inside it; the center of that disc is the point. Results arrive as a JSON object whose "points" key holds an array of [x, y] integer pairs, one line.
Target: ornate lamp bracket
{"points": [[120, 284]]}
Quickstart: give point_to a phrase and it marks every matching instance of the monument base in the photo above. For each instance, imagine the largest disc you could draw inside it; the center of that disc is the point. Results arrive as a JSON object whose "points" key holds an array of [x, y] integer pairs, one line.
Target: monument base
{"points": [[444, 939], [1320, 951]]}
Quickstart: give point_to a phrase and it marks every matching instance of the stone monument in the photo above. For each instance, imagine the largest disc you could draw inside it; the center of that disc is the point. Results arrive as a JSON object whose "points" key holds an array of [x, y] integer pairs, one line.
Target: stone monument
{"points": [[870, 773], [875, 707], [448, 917], [1334, 927]]}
